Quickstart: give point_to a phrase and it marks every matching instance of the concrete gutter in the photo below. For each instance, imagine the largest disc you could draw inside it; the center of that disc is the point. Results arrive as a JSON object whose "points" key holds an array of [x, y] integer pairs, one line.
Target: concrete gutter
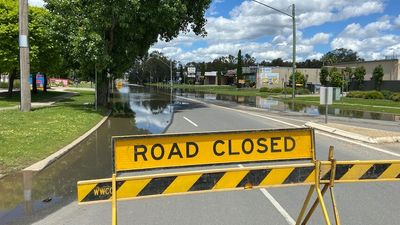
{"points": [[359, 137], [53, 157]]}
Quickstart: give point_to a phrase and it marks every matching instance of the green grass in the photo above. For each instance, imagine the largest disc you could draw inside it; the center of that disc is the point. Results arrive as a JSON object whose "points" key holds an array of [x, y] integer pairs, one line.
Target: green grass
{"points": [[29, 137], [372, 105], [5, 101], [214, 89]]}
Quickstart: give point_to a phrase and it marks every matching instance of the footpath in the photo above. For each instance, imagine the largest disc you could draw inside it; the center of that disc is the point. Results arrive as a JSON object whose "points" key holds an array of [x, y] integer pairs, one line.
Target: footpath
{"points": [[47, 103]]}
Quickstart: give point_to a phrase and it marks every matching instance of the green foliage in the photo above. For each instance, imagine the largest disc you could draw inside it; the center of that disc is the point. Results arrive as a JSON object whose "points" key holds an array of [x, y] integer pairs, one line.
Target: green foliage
{"points": [[340, 55], [323, 76], [300, 78], [366, 95], [374, 95], [302, 91], [276, 90], [239, 70], [387, 94], [377, 76], [335, 77], [395, 97], [359, 75], [44, 56]]}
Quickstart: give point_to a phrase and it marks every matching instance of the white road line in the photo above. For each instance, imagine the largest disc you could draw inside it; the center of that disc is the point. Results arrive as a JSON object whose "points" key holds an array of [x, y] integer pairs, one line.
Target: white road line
{"points": [[318, 132], [190, 122], [275, 203], [278, 206]]}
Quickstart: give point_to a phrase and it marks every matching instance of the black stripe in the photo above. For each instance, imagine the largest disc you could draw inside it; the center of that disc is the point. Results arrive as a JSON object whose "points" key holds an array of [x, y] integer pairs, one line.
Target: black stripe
{"points": [[398, 176], [299, 175], [254, 177], [341, 170], [375, 171], [207, 181], [102, 191], [157, 186]]}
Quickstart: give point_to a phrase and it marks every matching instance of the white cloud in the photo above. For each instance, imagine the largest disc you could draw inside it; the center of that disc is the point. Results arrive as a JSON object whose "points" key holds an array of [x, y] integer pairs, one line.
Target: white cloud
{"points": [[397, 21], [249, 22], [372, 41]]}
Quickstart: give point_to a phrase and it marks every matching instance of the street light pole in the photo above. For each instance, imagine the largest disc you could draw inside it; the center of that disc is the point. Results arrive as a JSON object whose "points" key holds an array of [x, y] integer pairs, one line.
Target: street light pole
{"points": [[293, 16], [294, 51]]}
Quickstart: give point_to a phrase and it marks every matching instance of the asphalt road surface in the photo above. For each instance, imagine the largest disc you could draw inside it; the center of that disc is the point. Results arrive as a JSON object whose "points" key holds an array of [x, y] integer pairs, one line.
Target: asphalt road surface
{"points": [[358, 203]]}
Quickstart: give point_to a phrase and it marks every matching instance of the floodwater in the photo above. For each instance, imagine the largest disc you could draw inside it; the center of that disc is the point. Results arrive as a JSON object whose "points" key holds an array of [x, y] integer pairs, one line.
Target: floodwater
{"points": [[271, 104], [26, 197]]}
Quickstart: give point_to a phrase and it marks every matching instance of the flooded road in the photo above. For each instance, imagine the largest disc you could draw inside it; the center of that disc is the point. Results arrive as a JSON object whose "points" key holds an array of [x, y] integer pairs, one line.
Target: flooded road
{"points": [[28, 196], [272, 104]]}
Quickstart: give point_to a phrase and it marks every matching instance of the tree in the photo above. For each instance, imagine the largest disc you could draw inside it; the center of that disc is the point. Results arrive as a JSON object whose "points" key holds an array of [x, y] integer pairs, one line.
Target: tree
{"points": [[377, 77], [239, 71], [335, 77], [300, 78], [248, 60], [359, 74], [114, 33], [348, 73], [323, 76], [219, 77], [340, 55], [44, 56]]}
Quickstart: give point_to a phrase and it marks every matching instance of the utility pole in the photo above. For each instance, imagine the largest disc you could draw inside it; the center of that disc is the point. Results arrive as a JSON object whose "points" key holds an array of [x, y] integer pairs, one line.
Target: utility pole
{"points": [[293, 16], [170, 69], [24, 56], [294, 51]]}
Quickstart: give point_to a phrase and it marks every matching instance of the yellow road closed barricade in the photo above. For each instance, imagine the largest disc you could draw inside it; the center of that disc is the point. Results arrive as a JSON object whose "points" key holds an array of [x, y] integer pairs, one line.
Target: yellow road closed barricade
{"points": [[193, 149], [155, 151]]}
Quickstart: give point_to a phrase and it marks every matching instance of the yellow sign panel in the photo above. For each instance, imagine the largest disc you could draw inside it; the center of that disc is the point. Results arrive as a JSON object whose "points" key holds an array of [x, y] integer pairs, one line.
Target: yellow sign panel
{"points": [[176, 150]]}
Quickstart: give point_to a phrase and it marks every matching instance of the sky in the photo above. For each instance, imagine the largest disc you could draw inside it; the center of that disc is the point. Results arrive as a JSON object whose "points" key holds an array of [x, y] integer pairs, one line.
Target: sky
{"points": [[370, 27]]}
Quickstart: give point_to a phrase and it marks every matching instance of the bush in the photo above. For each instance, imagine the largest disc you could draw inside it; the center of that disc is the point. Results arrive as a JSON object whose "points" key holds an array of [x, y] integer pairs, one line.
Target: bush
{"points": [[302, 91], [395, 97], [356, 94], [264, 89], [387, 94], [374, 95]]}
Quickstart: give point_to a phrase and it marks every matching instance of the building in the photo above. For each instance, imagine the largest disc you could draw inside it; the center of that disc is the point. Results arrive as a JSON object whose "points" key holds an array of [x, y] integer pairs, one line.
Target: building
{"points": [[391, 68]]}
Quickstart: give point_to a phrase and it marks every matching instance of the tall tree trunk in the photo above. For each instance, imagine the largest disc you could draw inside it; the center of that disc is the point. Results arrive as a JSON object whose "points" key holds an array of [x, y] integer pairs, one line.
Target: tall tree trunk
{"points": [[34, 86], [102, 89], [11, 82], [44, 83]]}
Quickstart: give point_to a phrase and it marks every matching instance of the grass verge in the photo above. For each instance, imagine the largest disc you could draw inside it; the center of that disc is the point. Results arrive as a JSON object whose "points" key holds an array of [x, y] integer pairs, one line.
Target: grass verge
{"points": [[372, 105], [29, 137], [5, 101]]}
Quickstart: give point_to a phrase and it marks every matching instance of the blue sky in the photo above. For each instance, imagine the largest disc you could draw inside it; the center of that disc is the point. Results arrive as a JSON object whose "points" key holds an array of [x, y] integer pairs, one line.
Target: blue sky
{"points": [[370, 27]]}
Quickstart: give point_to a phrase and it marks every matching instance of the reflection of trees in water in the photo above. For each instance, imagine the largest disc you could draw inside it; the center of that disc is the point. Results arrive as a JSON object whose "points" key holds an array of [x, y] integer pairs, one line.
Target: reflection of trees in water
{"points": [[122, 110], [157, 104], [297, 107]]}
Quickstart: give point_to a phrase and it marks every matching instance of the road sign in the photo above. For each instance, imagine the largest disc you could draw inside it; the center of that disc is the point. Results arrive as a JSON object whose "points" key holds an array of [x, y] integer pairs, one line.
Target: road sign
{"points": [[326, 96], [193, 149], [236, 179]]}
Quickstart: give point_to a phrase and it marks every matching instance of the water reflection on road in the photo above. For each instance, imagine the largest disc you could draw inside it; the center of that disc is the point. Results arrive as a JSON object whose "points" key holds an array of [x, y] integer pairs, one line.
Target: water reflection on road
{"points": [[271, 104], [28, 196]]}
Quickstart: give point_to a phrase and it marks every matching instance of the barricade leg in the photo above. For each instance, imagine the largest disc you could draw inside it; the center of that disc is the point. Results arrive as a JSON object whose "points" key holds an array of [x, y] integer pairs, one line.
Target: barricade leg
{"points": [[303, 209], [114, 200]]}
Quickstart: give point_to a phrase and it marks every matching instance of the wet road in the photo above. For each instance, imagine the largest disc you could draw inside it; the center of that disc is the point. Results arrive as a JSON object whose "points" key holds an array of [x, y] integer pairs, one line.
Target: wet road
{"points": [[358, 203]]}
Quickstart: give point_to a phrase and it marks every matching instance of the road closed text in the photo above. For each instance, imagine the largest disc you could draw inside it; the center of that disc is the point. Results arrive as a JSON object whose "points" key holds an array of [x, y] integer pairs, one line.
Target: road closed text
{"points": [[215, 148]]}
